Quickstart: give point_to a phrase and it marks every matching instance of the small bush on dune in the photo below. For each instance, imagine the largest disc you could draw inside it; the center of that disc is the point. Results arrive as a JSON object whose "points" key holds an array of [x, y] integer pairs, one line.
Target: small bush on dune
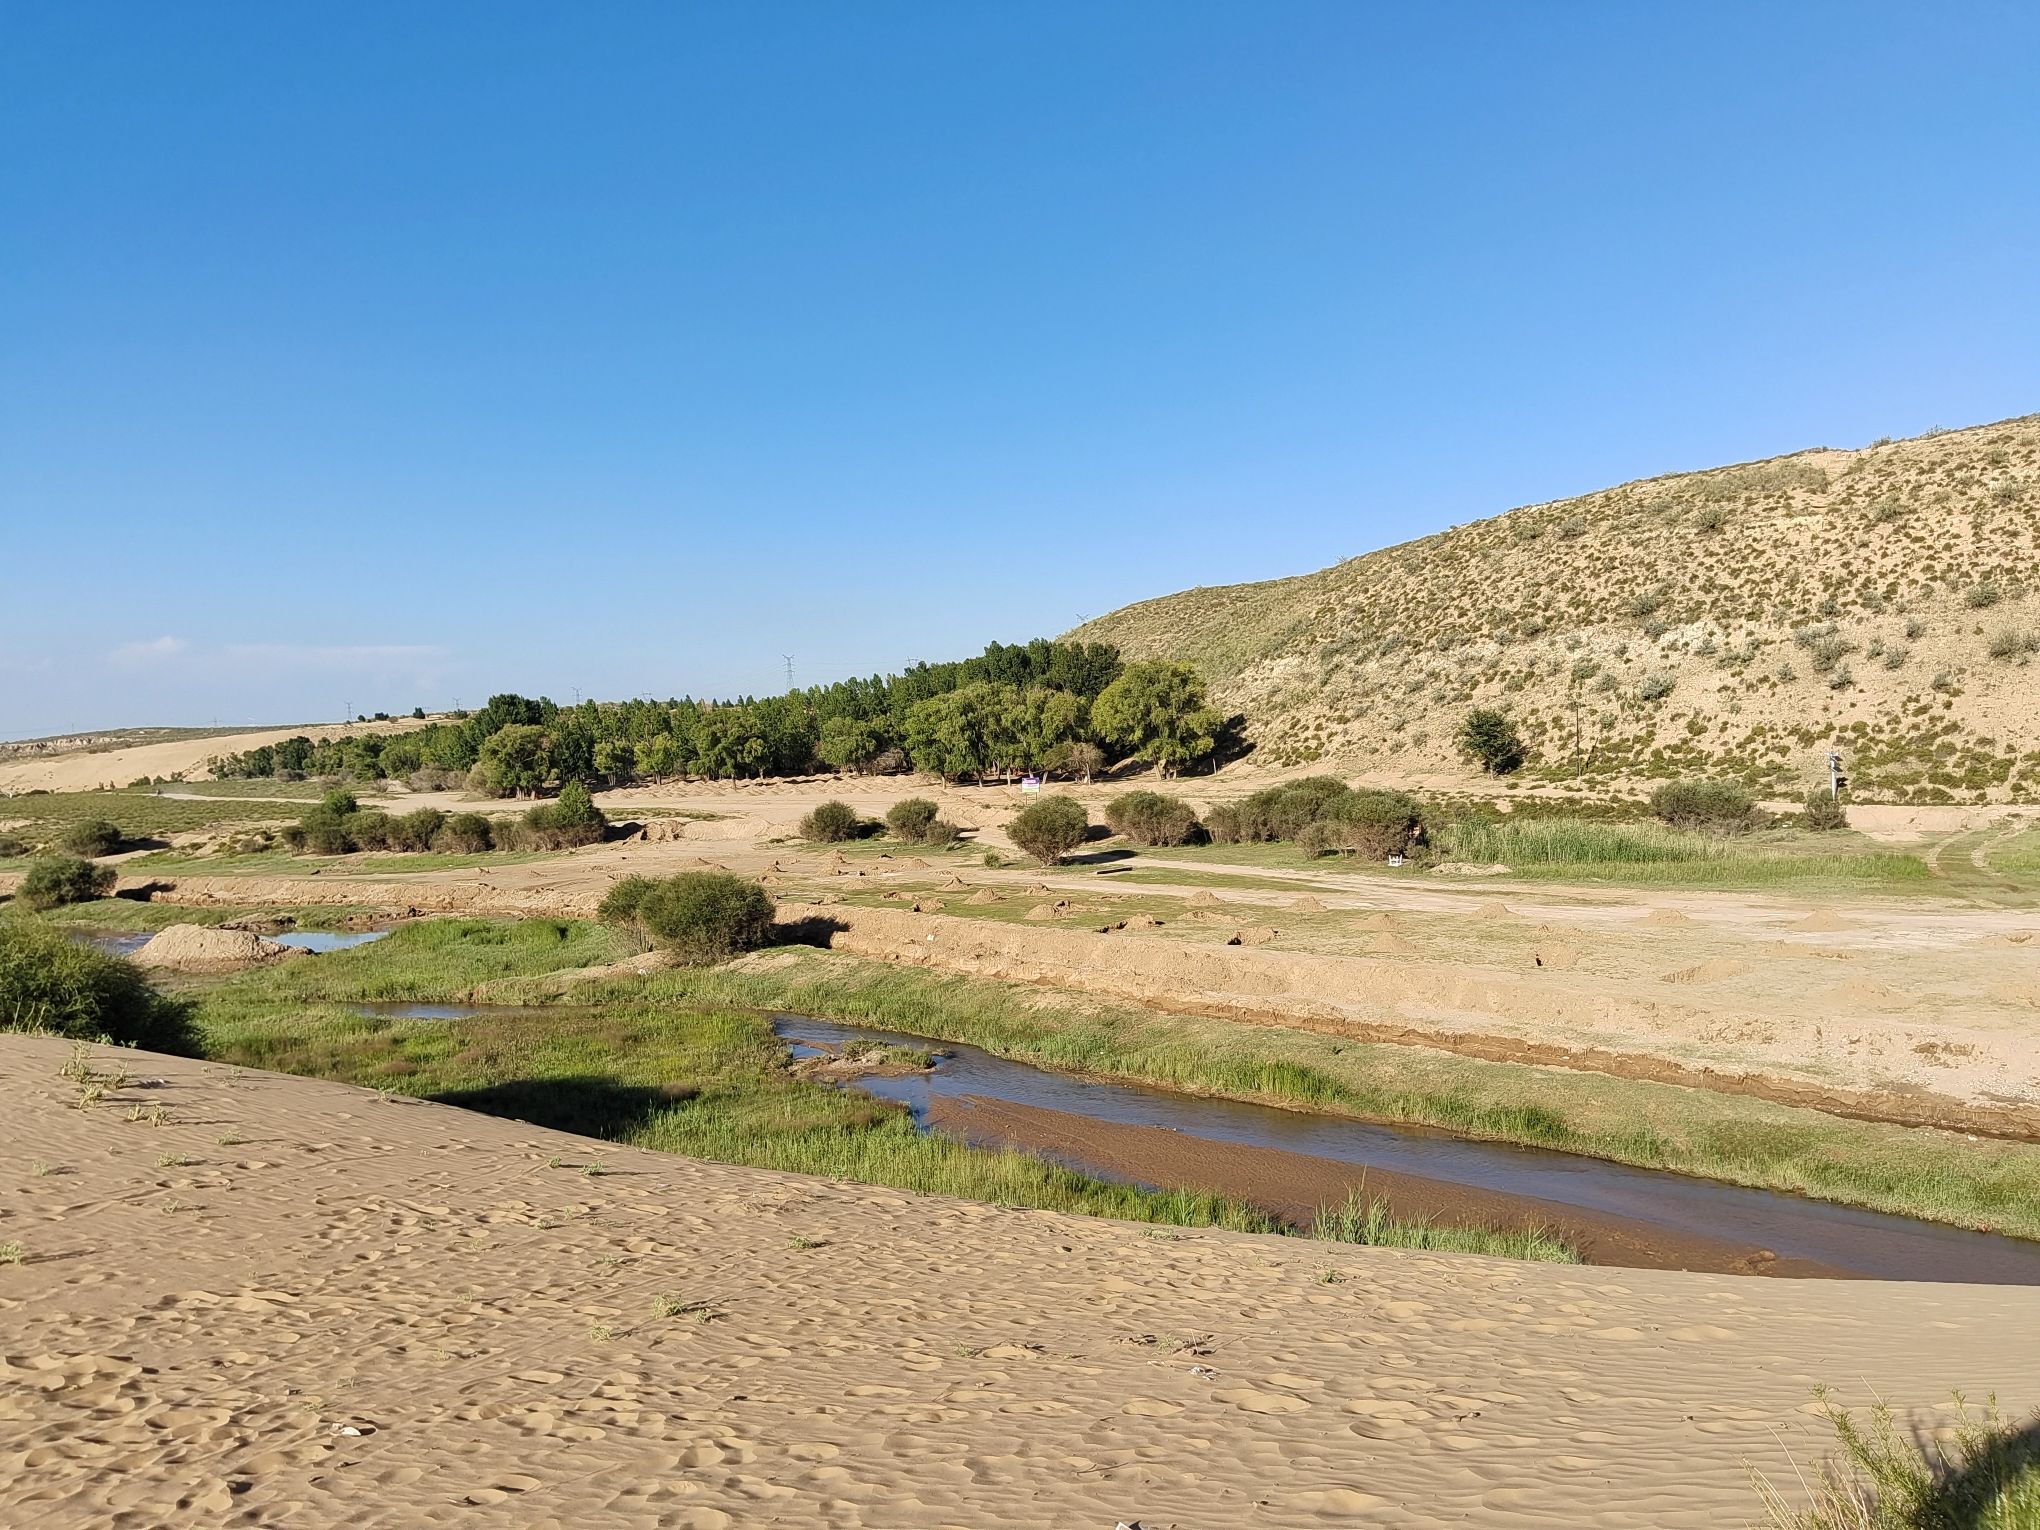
{"points": [[620, 904], [1822, 811], [54, 880], [1150, 818], [1720, 806], [941, 834], [1368, 823], [368, 829], [569, 820], [416, 831], [831, 823], [1489, 739], [91, 836], [340, 802], [61, 987], [1050, 829], [705, 916], [465, 834]]}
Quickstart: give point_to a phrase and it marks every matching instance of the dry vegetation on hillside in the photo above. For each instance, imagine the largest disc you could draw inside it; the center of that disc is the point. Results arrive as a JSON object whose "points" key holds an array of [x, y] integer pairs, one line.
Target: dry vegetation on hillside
{"points": [[1745, 619]]}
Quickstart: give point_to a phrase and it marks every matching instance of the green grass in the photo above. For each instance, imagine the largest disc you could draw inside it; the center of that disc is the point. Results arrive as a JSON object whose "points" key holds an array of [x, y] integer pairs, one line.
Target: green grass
{"points": [[115, 915], [698, 1079], [1986, 1477], [1734, 1138], [2018, 856], [1641, 854], [139, 815], [281, 863], [1371, 1222]]}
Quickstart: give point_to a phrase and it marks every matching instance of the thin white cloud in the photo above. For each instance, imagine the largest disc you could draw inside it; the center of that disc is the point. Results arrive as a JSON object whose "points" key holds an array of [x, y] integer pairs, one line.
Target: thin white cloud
{"points": [[154, 651]]}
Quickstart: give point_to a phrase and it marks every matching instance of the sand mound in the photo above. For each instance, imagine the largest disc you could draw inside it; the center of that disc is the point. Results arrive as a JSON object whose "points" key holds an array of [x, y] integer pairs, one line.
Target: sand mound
{"points": [[928, 906], [1495, 911], [662, 830], [1716, 970], [1381, 921], [1470, 869], [1256, 935], [983, 896], [1666, 916], [1866, 991], [1824, 923], [1559, 958], [199, 948], [1306, 905], [1039, 912], [1204, 898]]}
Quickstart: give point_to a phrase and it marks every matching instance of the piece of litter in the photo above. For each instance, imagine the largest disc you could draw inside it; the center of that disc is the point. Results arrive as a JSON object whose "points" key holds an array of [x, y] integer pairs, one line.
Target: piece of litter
{"points": [[1203, 1370], [352, 1430]]}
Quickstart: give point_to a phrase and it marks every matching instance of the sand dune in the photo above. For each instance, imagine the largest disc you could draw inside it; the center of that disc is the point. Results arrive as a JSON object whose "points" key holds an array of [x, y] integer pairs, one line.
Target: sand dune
{"points": [[298, 1302]]}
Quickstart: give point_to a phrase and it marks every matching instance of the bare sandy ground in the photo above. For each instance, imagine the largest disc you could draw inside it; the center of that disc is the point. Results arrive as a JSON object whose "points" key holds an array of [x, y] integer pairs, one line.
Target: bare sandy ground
{"points": [[301, 1303], [88, 770]]}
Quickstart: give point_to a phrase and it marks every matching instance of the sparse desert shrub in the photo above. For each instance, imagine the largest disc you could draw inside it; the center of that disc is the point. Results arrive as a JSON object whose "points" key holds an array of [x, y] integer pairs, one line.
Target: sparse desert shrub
{"points": [[340, 802], [91, 836], [1655, 686], [909, 819], [1710, 518], [1820, 810], [1150, 818], [1050, 828], [1723, 807], [1982, 595], [706, 916], [1489, 738], [54, 880], [464, 834], [831, 823], [13, 845], [941, 834], [59, 986], [1572, 528], [368, 829], [2009, 643]]}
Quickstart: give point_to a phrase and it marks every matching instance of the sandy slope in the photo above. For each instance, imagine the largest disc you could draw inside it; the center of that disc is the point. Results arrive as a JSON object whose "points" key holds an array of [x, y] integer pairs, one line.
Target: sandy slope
{"points": [[87, 770], [186, 1344]]}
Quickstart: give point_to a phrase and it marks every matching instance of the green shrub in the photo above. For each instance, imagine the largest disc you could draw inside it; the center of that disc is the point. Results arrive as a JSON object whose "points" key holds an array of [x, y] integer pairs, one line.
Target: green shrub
{"points": [[12, 845], [1150, 818], [620, 904], [705, 916], [340, 802], [910, 819], [941, 834], [369, 829], [831, 823], [1277, 812], [1370, 823], [1720, 806], [1655, 686], [1820, 810], [54, 880], [416, 830], [569, 820], [2012, 643], [1982, 596], [1490, 739], [465, 833], [64, 987], [91, 836], [1050, 828]]}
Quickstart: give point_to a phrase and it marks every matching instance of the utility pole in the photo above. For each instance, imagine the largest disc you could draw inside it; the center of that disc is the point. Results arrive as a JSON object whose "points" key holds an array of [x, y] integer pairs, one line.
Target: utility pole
{"points": [[1836, 780], [789, 669]]}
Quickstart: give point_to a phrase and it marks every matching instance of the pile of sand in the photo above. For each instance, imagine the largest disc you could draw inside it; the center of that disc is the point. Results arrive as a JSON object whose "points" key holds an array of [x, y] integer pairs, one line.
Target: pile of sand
{"points": [[199, 948], [1306, 905], [1470, 869]]}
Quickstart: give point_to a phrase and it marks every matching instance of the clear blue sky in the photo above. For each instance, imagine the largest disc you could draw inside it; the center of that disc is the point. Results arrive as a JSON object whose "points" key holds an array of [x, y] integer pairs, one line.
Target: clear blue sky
{"points": [[381, 354]]}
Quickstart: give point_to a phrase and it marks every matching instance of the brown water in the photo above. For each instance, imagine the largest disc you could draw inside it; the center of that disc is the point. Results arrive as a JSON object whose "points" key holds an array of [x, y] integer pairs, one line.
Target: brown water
{"points": [[1223, 1145]]}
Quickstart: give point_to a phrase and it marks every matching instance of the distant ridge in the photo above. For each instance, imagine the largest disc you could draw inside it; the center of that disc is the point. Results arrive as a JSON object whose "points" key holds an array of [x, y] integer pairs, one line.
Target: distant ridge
{"points": [[1743, 619]]}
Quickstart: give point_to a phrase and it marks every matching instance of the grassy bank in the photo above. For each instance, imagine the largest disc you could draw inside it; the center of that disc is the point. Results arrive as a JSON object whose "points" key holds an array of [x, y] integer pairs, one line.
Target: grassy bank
{"points": [[693, 1077], [121, 915], [1935, 1175]]}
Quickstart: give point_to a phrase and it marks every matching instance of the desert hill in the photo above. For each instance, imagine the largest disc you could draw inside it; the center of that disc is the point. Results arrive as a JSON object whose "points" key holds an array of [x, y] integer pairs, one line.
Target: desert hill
{"points": [[1743, 619]]}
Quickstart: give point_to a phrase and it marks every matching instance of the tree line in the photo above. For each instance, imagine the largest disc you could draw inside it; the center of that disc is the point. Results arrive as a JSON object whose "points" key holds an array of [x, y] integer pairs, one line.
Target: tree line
{"points": [[1039, 707]]}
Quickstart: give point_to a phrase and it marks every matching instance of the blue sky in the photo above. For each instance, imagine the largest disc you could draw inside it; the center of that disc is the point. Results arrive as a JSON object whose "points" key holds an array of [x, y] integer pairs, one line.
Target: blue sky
{"points": [[378, 354]]}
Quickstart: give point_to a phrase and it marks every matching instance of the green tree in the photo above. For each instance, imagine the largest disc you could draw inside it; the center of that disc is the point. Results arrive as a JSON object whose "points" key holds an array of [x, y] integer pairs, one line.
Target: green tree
{"points": [[1050, 828], [847, 743], [513, 761], [1157, 712], [659, 756], [1041, 724], [958, 733], [1490, 739]]}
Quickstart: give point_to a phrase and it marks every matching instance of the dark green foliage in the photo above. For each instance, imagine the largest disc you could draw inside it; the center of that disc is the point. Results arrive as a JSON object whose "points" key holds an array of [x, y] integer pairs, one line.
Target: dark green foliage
{"points": [[465, 834], [1821, 811], [571, 819], [1489, 738], [1050, 828], [706, 916], [416, 830], [941, 834], [620, 904], [54, 880], [911, 818], [1369, 823], [1149, 818], [1277, 812], [12, 845], [1157, 712], [91, 836], [832, 823], [1721, 806], [340, 802], [368, 829], [64, 987]]}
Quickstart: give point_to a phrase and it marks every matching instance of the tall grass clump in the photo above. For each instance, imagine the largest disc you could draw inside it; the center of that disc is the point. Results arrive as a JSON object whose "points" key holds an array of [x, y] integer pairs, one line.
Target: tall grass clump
{"points": [[1985, 1477], [1373, 1222], [1575, 842]]}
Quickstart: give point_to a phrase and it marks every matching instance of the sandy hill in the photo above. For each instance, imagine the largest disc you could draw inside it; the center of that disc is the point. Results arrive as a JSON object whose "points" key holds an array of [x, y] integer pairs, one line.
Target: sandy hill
{"points": [[86, 762], [266, 1300], [1746, 618]]}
